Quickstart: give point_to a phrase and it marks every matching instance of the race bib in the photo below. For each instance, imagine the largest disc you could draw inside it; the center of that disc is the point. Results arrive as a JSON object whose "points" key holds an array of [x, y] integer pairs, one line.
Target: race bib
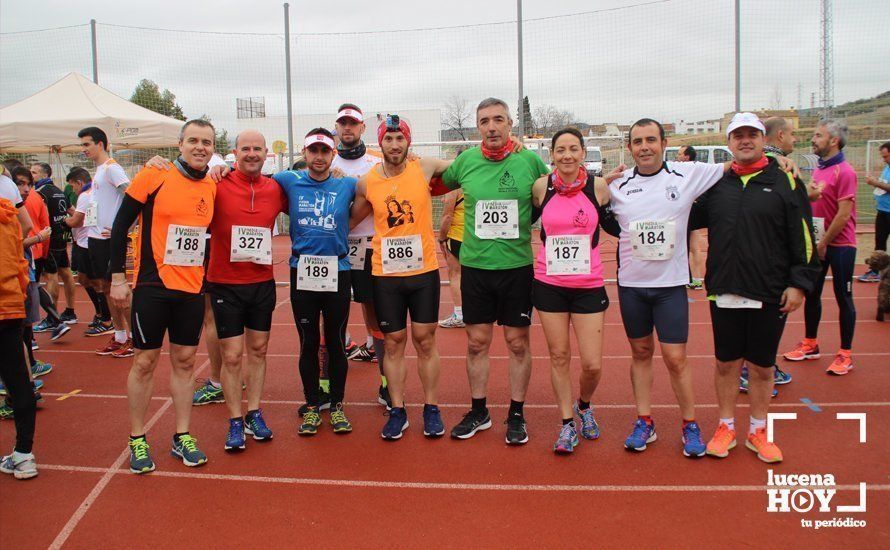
{"points": [[497, 219], [185, 245], [401, 254], [317, 273], [818, 228], [568, 254], [732, 301], [91, 216], [652, 240], [251, 244], [358, 250]]}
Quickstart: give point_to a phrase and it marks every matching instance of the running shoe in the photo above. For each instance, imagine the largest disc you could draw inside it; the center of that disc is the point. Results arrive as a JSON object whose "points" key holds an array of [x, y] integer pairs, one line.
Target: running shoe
{"points": [[643, 434], [339, 421], [383, 397], [350, 348], [804, 350], [6, 412], [111, 347], [95, 322], [39, 368], [362, 353], [432, 421], [696, 284], [766, 451], [842, 364], [693, 446], [23, 468], [869, 277], [472, 422], [743, 379], [311, 422], [34, 345], [140, 460], [126, 350], [69, 317], [589, 428], [255, 425], [516, 430], [324, 402], [99, 329], [207, 393], [59, 330], [235, 437], [44, 326], [780, 377], [37, 385], [453, 321], [186, 448], [567, 440], [397, 423], [722, 442]]}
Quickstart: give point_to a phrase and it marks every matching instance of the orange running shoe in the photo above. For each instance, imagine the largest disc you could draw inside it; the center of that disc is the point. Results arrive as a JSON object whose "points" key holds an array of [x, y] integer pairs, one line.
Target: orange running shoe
{"points": [[766, 451], [111, 347], [808, 349], [126, 350], [842, 364], [722, 442]]}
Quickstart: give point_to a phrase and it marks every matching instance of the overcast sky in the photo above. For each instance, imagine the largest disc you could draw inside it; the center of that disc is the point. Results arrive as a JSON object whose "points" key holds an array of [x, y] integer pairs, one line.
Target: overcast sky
{"points": [[602, 60]]}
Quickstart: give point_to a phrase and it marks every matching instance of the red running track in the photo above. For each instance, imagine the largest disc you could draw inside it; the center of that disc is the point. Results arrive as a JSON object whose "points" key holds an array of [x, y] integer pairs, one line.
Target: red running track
{"points": [[359, 491]]}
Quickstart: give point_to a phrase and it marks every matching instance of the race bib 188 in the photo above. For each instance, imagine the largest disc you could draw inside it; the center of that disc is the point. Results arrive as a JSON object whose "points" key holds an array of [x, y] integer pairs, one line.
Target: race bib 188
{"points": [[568, 254], [401, 254], [251, 244], [185, 245], [652, 240], [497, 219], [317, 273]]}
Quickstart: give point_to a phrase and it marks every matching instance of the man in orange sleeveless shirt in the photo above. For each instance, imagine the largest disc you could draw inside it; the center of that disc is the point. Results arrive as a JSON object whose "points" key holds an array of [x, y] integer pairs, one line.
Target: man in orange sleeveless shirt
{"points": [[404, 267]]}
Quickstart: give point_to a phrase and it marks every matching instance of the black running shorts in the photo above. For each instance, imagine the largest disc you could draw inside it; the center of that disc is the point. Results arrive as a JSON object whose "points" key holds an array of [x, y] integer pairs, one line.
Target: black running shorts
{"points": [[497, 295], [396, 297], [157, 310], [236, 307]]}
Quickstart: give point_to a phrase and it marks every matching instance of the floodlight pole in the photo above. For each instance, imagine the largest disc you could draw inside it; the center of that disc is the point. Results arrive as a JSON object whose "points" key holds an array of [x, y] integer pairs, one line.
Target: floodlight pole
{"points": [[95, 51], [290, 105], [519, 46], [738, 58]]}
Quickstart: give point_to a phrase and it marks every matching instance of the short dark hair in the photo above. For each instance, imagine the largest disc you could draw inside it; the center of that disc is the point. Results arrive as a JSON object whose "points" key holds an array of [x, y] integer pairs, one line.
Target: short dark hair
{"points": [[200, 123], [22, 171], [11, 164], [299, 164], [885, 145], [646, 122], [47, 169], [689, 151], [97, 134], [323, 131], [79, 174], [567, 130]]}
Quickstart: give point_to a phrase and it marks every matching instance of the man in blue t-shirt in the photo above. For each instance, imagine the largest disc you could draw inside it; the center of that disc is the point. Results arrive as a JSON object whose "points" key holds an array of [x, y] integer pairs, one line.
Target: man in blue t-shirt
{"points": [[882, 200], [319, 205]]}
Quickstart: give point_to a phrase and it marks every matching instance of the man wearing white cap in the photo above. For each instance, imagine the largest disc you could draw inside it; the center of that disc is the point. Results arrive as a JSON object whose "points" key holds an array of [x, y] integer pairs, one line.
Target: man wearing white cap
{"points": [[761, 262]]}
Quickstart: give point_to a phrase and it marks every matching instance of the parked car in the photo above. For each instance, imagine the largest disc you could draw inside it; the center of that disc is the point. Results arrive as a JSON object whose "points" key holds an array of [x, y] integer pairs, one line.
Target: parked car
{"points": [[713, 154]]}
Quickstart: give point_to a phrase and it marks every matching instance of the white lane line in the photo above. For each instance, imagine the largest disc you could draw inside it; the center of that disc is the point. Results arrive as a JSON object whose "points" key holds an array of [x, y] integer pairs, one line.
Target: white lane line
{"points": [[453, 486]]}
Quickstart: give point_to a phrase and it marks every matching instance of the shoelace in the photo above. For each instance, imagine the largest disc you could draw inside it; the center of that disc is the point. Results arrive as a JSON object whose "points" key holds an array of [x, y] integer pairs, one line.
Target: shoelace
{"points": [[339, 416], [140, 448], [311, 417], [640, 429], [565, 435], [235, 428], [257, 422], [693, 432], [587, 420], [189, 442], [839, 360]]}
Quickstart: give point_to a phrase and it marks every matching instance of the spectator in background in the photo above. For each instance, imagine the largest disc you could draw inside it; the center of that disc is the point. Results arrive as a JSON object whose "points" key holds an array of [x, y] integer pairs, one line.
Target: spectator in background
{"points": [[696, 240], [451, 235], [780, 138], [882, 201]]}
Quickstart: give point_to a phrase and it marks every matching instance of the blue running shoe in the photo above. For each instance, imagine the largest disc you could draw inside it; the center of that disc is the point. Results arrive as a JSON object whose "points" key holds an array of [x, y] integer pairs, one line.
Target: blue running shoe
{"points": [[235, 437], [567, 440], [589, 427], [780, 377], [39, 368], [207, 393], [140, 460], [432, 422], [643, 433], [44, 326], [186, 448], [693, 446], [743, 380], [397, 423], [255, 425], [36, 384]]}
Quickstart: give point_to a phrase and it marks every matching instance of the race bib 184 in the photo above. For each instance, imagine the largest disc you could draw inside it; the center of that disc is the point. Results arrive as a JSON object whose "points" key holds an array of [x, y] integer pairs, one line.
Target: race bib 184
{"points": [[317, 273], [251, 244], [497, 219], [568, 254], [185, 245], [401, 254], [653, 240]]}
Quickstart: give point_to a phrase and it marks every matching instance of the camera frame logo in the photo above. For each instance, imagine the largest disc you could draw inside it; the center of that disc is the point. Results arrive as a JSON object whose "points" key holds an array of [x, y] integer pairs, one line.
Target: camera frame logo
{"points": [[814, 492]]}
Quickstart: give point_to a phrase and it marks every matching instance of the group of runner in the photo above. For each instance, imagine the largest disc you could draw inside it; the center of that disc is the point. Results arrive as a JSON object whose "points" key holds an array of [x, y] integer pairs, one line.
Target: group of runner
{"points": [[361, 228]]}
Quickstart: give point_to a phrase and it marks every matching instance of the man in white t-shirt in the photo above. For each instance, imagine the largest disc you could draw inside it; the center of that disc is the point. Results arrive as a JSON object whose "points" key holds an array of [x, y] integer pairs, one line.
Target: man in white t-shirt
{"points": [[652, 203], [109, 185]]}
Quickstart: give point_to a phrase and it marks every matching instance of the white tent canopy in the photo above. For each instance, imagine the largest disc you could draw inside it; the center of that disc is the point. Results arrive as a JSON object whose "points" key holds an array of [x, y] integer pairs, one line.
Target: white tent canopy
{"points": [[52, 117]]}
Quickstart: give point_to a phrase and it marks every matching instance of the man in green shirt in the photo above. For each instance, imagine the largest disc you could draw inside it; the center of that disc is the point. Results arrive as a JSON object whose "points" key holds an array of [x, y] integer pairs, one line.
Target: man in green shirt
{"points": [[496, 261]]}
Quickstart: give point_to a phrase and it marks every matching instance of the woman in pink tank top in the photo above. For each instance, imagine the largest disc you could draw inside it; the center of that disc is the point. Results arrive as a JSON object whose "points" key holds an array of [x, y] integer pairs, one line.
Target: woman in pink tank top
{"points": [[568, 287]]}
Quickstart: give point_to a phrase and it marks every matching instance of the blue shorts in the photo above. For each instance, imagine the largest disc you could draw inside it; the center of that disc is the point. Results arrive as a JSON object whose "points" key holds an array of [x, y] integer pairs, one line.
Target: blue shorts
{"points": [[664, 309]]}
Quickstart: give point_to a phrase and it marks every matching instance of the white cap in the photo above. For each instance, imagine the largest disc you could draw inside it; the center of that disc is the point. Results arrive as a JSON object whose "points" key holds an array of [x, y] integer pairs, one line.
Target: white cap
{"points": [[740, 120], [313, 139], [348, 112]]}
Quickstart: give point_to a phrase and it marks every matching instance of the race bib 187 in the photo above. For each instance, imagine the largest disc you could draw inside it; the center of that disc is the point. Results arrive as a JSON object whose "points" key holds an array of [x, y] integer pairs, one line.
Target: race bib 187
{"points": [[568, 254], [185, 245], [497, 219], [317, 273], [401, 254], [251, 244], [653, 240]]}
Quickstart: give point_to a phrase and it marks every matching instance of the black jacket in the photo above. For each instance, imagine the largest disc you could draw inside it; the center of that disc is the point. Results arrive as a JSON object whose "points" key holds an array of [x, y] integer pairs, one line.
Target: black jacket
{"points": [[57, 207], [760, 235]]}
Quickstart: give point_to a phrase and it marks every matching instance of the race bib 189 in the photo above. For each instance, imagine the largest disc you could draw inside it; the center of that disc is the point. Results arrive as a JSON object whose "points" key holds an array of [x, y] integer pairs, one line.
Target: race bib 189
{"points": [[251, 244], [497, 219], [653, 240], [818, 228], [317, 273], [401, 254], [358, 250], [568, 254], [185, 245]]}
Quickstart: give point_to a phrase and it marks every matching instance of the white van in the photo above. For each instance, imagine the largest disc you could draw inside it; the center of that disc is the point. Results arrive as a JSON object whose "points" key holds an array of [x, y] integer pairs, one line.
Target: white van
{"points": [[593, 159], [713, 154]]}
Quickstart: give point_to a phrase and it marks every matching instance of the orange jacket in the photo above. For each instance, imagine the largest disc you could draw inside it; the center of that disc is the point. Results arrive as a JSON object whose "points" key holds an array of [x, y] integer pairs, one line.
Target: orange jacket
{"points": [[36, 208], [13, 267]]}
